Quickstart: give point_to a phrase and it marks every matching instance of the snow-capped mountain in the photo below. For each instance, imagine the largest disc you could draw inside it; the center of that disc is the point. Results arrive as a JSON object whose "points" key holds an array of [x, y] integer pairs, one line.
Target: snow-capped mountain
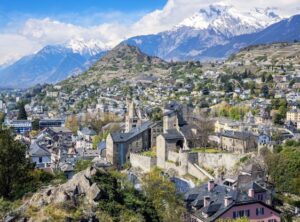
{"points": [[90, 48], [229, 21], [210, 26], [51, 64]]}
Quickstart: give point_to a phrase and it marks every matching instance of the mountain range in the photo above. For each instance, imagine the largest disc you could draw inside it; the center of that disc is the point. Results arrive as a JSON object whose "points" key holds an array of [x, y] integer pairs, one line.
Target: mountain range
{"points": [[212, 33], [198, 37], [51, 64]]}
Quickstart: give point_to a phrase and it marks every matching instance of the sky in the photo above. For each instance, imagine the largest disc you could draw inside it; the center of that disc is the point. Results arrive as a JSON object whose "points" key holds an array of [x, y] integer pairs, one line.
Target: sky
{"points": [[26, 26]]}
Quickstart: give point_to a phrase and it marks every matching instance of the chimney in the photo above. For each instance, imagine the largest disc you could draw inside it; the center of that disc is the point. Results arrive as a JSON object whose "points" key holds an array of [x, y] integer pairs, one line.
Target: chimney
{"points": [[206, 201], [210, 185], [251, 192], [227, 201]]}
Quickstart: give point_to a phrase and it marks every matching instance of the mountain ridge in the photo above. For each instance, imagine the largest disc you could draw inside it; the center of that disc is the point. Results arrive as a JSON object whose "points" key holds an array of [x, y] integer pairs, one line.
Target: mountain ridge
{"points": [[49, 65], [208, 44]]}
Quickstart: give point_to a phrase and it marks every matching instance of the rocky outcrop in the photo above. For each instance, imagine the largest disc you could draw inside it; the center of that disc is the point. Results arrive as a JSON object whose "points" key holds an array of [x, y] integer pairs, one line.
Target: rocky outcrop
{"points": [[79, 185], [79, 188]]}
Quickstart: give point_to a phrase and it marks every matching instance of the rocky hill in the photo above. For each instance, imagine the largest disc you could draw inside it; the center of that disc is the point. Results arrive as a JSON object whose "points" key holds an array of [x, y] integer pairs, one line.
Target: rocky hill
{"points": [[122, 62], [100, 194], [271, 52]]}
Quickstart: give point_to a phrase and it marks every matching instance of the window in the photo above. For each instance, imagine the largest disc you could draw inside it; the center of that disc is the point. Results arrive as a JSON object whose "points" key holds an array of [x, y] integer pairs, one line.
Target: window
{"points": [[241, 213], [260, 197], [272, 220], [260, 211], [234, 215], [247, 213], [40, 159]]}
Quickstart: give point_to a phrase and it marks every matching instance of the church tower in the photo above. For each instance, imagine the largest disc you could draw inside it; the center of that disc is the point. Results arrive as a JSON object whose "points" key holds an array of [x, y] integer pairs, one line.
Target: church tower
{"points": [[133, 120]]}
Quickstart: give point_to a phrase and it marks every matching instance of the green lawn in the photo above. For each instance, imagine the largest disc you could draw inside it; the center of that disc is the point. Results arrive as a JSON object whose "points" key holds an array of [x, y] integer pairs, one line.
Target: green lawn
{"points": [[149, 153], [206, 150]]}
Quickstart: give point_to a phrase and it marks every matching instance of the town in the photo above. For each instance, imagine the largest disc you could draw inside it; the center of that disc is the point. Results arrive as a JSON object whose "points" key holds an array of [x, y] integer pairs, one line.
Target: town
{"points": [[212, 128]]}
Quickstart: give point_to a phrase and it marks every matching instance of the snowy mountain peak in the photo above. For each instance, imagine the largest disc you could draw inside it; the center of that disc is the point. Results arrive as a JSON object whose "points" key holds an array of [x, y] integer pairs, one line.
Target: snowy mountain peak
{"points": [[230, 21], [91, 47]]}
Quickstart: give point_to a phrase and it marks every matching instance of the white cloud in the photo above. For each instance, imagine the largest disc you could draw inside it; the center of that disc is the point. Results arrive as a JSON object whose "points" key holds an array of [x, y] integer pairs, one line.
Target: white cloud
{"points": [[14, 46], [36, 33]]}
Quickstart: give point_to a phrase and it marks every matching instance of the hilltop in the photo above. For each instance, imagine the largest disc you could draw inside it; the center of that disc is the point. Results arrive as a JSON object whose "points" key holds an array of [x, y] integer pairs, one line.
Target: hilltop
{"points": [[123, 61], [272, 52]]}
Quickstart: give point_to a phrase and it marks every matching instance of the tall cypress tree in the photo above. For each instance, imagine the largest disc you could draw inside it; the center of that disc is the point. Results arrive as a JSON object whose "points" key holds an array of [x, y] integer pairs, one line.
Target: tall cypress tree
{"points": [[22, 115]]}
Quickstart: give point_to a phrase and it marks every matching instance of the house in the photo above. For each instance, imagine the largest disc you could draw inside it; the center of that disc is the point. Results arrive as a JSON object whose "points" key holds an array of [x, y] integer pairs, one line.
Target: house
{"points": [[86, 133], [39, 155], [222, 125], [57, 140], [20, 126], [214, 202], [293, 116], [45, 123], [238, 142]]}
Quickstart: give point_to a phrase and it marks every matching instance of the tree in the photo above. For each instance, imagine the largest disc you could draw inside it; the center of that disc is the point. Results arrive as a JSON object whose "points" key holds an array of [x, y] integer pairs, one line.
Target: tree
{"points": [[22, 115], [269, 78], [265, 91], [263, 78], [36, 124], [162, 194], [202, 127], [2, 118], [72, 123], [14, 166], [82, 165], [284, 168], [205, 91]]}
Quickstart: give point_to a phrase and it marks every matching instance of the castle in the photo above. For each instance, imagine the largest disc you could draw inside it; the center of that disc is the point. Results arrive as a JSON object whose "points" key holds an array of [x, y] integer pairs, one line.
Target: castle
{"points": [[140, 135], [172, 138]]}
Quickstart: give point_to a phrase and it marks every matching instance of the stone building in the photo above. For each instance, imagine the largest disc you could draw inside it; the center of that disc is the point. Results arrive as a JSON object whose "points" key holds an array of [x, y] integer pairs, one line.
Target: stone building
{"points": [[238, 142], [140, 135]]}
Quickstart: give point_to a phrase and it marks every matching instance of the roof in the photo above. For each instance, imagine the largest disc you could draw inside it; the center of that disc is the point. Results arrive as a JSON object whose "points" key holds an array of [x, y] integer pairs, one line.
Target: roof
{"points": [[88, 131], [172, 134], [60, 130], [51, 120], [195, 197], [237, 135], [102, 145], [124, 137], [67, 167], [38, 151]]}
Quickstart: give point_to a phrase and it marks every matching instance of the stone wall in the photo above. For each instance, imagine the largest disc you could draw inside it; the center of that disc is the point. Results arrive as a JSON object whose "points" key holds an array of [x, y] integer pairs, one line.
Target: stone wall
{"points": [[143, 162], [194, 171], [217, 160]]}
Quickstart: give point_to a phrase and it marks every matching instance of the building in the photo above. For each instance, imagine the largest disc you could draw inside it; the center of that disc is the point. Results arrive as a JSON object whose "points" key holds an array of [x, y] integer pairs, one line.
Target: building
{"points": [[45, 123], [238, 142], [119, 145], [133, 118], [222, 125], [214, 202], [86, 133], [20, 126], [139, 135], [39, 155]]}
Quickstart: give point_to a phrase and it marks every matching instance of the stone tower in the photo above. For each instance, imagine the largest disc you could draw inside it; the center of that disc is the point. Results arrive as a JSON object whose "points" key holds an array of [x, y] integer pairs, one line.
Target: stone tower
{"points": [[133, 120], [170, 120]]}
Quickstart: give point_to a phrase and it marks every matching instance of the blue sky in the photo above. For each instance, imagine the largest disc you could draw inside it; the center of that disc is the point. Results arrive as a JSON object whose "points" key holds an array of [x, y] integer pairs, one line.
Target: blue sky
{"points": [[27, 26], [66, 10]]}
